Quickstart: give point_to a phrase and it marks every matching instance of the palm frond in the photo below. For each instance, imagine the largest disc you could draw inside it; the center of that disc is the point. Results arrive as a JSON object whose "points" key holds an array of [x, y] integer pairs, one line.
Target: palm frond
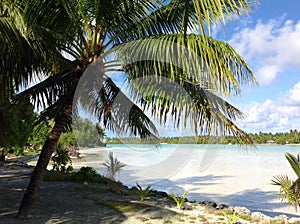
{"points": [[157, 20], [210, 12], [219, 64], [32, 33], [294, 162], [120, 114], [206, 112], [98, 94], [287, 192], [47, 92]]}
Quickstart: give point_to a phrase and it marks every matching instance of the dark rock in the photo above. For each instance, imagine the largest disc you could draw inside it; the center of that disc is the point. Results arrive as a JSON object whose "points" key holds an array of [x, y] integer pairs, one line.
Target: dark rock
{"points": [[209, 204], [222, 206], [186, 207], [163, 194]]}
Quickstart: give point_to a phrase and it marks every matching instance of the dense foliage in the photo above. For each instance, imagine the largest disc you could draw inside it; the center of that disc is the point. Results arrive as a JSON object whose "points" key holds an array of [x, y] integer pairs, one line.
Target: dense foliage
{"points": [[291, 137], [23, 138], [16, 121]]}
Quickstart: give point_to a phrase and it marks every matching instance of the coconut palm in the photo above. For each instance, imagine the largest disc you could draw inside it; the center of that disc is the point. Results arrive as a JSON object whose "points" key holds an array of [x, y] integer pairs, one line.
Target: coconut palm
{"points": [[140, 39], [289, 189]]}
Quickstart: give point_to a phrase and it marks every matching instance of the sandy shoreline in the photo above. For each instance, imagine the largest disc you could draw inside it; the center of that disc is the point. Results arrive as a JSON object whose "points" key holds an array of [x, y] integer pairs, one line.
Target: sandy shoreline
{"points": [[230, 178], [68, 202], [221, 183], [237, 178]]}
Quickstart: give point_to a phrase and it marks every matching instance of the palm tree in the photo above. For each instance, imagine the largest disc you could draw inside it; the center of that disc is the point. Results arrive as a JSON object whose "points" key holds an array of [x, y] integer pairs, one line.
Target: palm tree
{"points": [[132, 30], [289, 189], [113, 166]]}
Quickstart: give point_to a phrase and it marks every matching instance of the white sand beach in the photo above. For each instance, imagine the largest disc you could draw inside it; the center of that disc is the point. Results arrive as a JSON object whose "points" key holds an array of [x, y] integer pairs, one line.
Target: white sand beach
{"points": [[234, 177]]}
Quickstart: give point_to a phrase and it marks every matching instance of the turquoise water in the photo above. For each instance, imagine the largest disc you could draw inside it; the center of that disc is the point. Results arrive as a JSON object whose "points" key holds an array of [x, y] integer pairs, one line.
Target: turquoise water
{"points": [[142, 156], [221, 173]]}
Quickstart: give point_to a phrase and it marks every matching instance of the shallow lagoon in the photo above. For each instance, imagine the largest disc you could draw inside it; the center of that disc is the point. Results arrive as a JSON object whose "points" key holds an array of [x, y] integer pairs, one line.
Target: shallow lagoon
{"points": [[222, 173]]}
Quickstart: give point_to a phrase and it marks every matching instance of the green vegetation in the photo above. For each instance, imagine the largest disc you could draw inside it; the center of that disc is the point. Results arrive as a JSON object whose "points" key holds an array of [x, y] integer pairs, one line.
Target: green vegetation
{"points": [[142, 193], [84, 175], [87, 134], [113, 166], [289, 190], [124, 206], [16, 121], [89, 175], [180, 200], [31, 138], [232, 218], [291, 137], [62, 160]]}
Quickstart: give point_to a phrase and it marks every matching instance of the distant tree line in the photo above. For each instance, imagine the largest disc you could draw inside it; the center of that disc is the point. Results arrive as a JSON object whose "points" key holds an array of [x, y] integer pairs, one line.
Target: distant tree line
{"points": [[291, 137]]}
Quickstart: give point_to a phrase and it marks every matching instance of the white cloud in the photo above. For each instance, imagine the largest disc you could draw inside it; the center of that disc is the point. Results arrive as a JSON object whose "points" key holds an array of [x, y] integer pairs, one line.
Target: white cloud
{"points": [[292, 96], [271, 117], [270, 48], [266, 74]]}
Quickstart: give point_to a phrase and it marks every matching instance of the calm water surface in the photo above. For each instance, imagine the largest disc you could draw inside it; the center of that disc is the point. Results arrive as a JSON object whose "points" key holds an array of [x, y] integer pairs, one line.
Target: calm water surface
{"points": [[222, 173]]}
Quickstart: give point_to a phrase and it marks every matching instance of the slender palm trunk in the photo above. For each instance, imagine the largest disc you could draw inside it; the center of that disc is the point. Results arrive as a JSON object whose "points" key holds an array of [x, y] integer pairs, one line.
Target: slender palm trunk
{"points": [[44, 158]]}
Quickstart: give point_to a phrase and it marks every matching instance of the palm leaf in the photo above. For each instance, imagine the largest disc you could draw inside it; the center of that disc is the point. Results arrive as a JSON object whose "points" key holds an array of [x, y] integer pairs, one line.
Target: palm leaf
{"points": [[294, 162], [219, 65], [210, 12], [206, 112], [286, 190]]}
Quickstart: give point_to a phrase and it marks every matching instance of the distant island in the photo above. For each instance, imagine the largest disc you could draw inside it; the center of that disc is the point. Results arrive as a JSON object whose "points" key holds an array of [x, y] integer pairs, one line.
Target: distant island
{"points": [[291, 137]]}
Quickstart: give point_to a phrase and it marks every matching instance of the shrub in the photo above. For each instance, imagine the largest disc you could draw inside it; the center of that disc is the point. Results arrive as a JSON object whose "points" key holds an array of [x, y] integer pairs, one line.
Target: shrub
{"points": [[142, 193], [232, 218], [87, 174], [18, 151], [61, 160], [180, 200], [84, 175]]}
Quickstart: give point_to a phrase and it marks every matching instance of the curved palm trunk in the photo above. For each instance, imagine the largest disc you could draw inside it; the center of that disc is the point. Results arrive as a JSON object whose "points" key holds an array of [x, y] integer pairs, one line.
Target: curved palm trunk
{"points": [[44, 158]]}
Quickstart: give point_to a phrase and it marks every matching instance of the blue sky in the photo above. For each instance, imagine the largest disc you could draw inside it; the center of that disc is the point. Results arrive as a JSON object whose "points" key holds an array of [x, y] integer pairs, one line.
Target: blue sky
{"points": [[269, 40]]}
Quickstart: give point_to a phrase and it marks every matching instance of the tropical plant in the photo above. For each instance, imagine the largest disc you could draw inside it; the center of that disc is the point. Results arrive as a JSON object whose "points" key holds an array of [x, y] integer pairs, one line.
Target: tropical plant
{"points": [[62, 160], [289, 189], [142, 193], [35, 46], [180, 200], [113, 166], [232, 218], [88, 175]]}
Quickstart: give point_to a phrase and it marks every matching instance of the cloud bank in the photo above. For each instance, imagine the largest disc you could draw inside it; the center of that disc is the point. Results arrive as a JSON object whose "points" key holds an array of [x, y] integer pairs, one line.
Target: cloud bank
{"points": [[270, 116], [270, 48]]}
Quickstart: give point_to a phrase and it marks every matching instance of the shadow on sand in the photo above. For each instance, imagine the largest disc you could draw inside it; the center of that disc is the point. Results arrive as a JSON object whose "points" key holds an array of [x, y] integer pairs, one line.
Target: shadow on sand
{"points": [[254, 199]]}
